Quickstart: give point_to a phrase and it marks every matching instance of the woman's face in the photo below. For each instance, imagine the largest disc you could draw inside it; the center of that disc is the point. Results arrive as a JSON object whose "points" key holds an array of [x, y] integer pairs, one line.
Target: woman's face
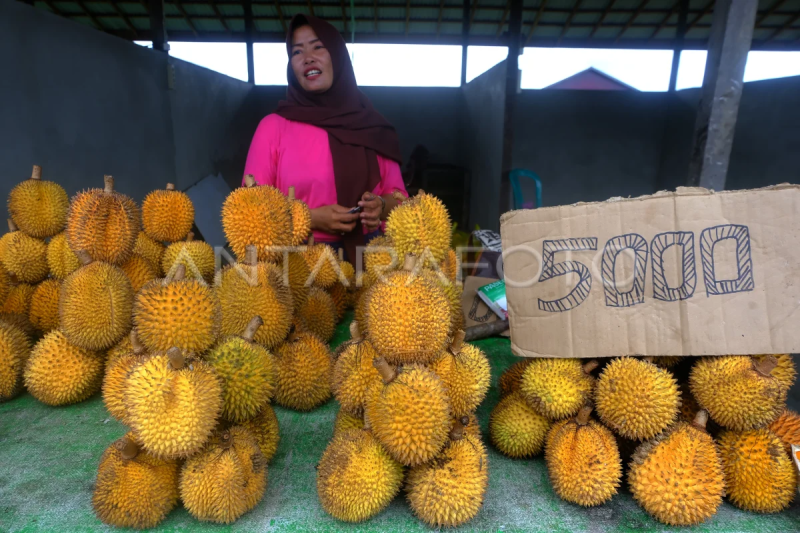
{"points": [[311, 61]]}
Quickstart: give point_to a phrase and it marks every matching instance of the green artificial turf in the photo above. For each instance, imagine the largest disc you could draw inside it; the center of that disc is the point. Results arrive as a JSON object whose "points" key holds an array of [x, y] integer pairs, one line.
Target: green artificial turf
{"points": [[49, 456]]}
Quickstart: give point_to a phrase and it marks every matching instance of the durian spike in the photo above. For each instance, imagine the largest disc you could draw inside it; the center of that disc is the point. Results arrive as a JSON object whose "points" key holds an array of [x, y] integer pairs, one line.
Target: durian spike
{"points": [[252, 327], [251, 255], [176, 359], [291, 194], [355, 333], [138, 347], [249, 180], [341, 254], [11, 226], [190, 236], [130, 450], [84, 257], [457, 433], [420, 192], [384, 369], [700, 419], [170, 186], [409, 262], [590, 366], [765, 366], [582, 418], [458, 342], [109, 184], [36, 173], [311, 240]]}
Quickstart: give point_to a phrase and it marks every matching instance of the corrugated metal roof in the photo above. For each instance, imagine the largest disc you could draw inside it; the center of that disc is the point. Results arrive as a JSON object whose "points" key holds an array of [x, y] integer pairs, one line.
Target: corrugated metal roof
{"points": [[568, 23]]}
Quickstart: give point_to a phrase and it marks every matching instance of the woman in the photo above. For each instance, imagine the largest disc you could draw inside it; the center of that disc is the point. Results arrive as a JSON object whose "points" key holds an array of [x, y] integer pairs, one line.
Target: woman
{"points": [[328, 142]]}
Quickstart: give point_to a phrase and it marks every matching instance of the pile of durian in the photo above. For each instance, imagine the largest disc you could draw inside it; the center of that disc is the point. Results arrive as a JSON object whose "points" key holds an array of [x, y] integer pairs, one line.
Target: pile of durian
{"points": [[407, 384], [722, 429]]}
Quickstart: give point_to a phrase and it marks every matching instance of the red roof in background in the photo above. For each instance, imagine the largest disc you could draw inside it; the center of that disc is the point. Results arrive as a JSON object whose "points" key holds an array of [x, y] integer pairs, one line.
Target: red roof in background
{"points": [[592, 79]]}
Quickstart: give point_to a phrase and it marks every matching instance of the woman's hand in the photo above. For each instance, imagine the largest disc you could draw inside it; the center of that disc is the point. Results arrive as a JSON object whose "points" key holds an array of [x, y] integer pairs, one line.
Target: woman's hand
{"points": [[373, 210], [333, 219]]}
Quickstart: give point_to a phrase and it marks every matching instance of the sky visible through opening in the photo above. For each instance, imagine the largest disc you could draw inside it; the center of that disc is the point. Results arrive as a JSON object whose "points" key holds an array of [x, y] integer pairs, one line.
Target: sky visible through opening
{"points": [[440, 66]]}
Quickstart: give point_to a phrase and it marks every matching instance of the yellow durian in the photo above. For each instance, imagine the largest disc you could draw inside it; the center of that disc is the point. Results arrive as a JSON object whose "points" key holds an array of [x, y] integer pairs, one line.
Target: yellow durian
{"points": [[15, 347], [38, 207], [421, 226], [151, 250], [295, 274], [177, 312], [637, 399], [264, 427], [61, 260], [304, 372], [583, 460], [247, 371], [95, 305], [356, 478], [677, 477], [759, 474], [301, 219], [18, 301], [409, 412], [60, 373], [787, 428], [257, 215], [341, 298], [317, 315], [408, 317], [24, 256], [739, 392], [115, 380], [464, 370], [226, 479], [322, 264], [167, 215], [196, 256], [5, 285], [448, 491], [139, 271], [43, 312], [451, 265], [344, 421], [172, 403], [666, 361], [557, 388], [380, 258], [123, 347], [360, 308], [784, 370], [511, 380], [104, 224], [354, 373], [516, 429], [133, 488]]}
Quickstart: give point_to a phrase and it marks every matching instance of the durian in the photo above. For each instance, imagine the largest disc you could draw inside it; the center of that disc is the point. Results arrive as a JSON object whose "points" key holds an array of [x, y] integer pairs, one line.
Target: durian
{"points": [[304, 372], [264, 427], [24, 256], [784, 370], [226, 479], [123, 347], [151, 250], [294, 270], [511, 380], [196, 256], [115, 380], [258, 215], [739, 392], [60, 373], [43, 312], [464, 370], [557, 388], [421, 226], [5, 285], [18, 301], [38, 207], [666, 361], [677, 477], [139, 271], [301, 219], [448, 491], [61, 260], [636, 398], [516, 429], [452, 265], [356, 478], [787, 428], [354, 372], [167, 215], [759, 474], [345, 421], [322, 264], [172, 403], [408, 317], [583, 460], [177, 312], [380, 258], [341, 298], [317, 315], [133, 488], [15, 347], [409, 412], [247, 371], [104, 223], [95, 305]]}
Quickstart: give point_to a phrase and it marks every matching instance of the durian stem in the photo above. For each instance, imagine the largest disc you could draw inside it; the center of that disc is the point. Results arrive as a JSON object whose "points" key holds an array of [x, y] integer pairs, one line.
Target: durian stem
{"points": [[36, 173], [292, 335], [648, 359], [355, 333], [765, 366], [130, 450], [291, 194], [176, 359], [252, 327], [190, 236], [170, 186], [138, 347], [341, 254], [227, 440], [700, 419], [409, 262], [590, 366], [384, 369], [180, 274], [251, 255], [397, 195], [583, 415], [311, 240], [420, 192], [458, 342], [11, 226], [249, 180], [457, 433], [109, 184], [84, 257]]}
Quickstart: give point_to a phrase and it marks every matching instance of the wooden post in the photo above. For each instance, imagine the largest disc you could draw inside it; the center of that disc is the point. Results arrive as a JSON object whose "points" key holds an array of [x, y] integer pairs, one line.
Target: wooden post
{"points": [[157, 28], [464, 42], [683, 14], [512, 86], [249, 30]]}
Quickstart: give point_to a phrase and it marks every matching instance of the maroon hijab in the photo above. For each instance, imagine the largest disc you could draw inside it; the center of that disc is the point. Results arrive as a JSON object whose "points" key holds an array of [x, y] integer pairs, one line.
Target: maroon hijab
{"points": [[356, 132]]}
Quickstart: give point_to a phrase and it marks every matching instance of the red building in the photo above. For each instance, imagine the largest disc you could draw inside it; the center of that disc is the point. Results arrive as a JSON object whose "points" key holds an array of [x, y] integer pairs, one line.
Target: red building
{"points": [[591, 79]]}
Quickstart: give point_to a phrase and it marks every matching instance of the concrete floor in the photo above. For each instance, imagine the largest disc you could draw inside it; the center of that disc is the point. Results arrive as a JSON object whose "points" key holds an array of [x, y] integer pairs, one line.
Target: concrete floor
{"points": [[49, 456]]}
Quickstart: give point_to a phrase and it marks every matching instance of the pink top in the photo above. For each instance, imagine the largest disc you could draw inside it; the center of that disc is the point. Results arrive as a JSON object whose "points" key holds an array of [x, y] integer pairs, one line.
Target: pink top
{"points": [[284, 153]]}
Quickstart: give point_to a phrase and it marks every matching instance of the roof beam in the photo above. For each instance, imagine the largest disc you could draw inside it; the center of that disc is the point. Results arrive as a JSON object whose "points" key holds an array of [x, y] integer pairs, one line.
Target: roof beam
{"points": [[375, 3], [280, 14], [663, 23], [185, 16], [783, 28], [219, 15], [344, 15], [503, 18], [408, 14], [90, 15], [631, 20], [310, 8], [535, 22], [603, 18], [565, 29], [769, 11], [472, 15], [439, 22], [122, 15], [706, 10]]}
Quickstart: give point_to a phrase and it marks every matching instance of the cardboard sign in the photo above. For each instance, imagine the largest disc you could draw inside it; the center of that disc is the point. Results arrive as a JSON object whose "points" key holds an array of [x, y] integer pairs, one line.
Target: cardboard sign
{"points": [[476, 312], [691, 272]]}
